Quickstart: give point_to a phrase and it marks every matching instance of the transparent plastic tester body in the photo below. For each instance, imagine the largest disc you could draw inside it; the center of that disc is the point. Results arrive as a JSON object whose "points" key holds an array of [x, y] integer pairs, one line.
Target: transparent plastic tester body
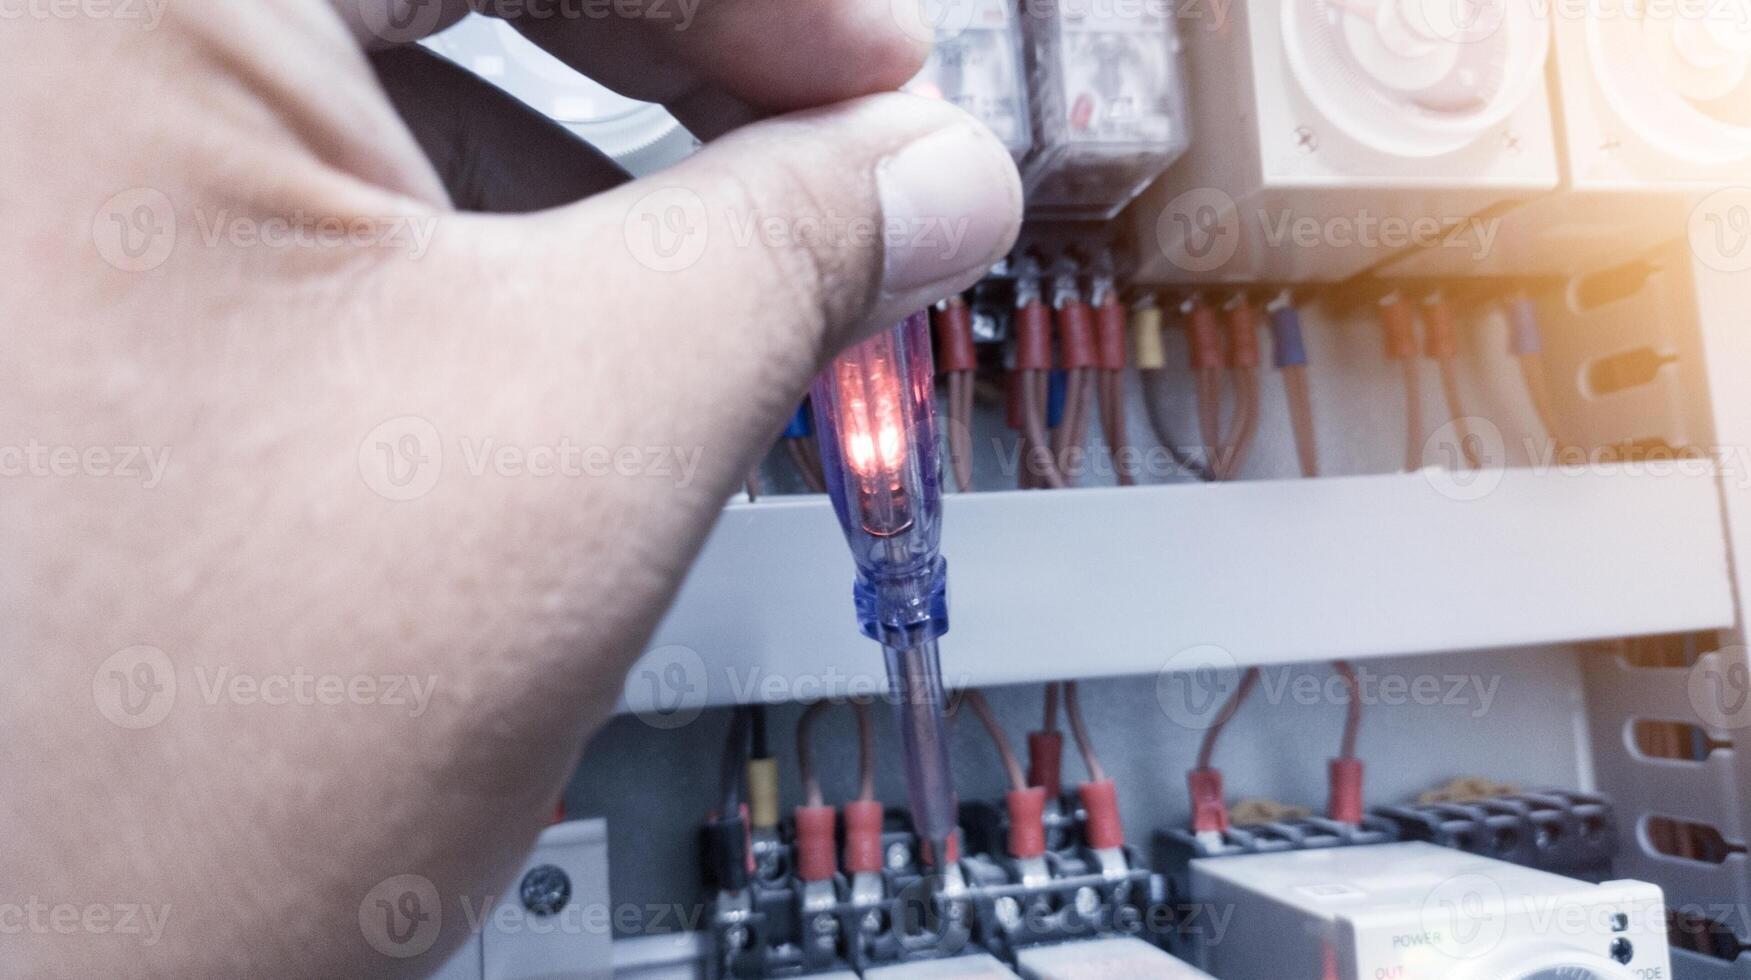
{"points": [[875, 410], [975, 63], [1109, 106]]}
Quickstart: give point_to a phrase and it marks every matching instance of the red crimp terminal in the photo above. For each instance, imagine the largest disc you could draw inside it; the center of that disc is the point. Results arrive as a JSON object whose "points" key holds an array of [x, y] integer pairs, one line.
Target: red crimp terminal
{"points": [[1027, 822], [1209, 810], [954, 849], [1345, 805], [954, 338], [1438, 339], [863, 837], [1112, 325], [1400, 327], [1101, 802], [1243, 335], [1204, 334], [1045, 762], [1033, 337], [1076, 335], [815, 827]]}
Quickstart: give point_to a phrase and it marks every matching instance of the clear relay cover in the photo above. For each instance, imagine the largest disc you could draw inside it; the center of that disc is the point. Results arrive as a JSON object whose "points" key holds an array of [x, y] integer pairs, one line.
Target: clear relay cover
{"points": [[1109, 105], [975, 63]]}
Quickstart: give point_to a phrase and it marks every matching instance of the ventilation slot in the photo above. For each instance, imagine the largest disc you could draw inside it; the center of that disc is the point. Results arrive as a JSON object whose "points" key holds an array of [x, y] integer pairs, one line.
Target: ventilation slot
{"points": [[1690, 841], [1673, 740]]}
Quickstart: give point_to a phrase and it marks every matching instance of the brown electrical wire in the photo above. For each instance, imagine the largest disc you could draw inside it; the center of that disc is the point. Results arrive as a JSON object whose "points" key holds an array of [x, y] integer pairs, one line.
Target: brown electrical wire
{"points": [[1301, 418], [1245, 424], [1079, 731], [1112, 399], [805, 766], [1072, 430], [865, 753], [960, 436], [806, 465], [1038, 443], [1209, 389], [1155, 395], [1011, 765], [1413, 415], [1207, 751], [1050, 722], [1353, 711], [1456, 409]]}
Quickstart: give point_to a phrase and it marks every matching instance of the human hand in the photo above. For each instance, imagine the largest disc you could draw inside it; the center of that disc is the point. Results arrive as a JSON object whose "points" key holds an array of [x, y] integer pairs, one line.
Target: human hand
{"points": [[319, 450]]}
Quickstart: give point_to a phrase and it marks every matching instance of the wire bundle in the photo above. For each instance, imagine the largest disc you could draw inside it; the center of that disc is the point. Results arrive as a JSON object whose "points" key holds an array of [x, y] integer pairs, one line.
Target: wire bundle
{"points": [[1111, 326], [958, 360], [1076, 350]]}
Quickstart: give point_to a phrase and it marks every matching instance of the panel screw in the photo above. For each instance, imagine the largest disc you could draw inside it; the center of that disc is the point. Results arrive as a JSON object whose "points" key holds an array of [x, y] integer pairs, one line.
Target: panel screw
{"points": [[899, 856], [545, 890], [1306, 139]]}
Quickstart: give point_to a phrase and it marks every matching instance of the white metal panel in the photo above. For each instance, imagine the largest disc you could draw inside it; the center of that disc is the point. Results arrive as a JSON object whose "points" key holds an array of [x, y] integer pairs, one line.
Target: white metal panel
{"points": [[1105, 582]]}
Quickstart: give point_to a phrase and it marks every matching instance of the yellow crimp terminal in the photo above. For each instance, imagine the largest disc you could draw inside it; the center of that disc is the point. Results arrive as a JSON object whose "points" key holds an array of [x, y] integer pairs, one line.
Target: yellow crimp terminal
{"points": [[1146, 337], [763, 793]]}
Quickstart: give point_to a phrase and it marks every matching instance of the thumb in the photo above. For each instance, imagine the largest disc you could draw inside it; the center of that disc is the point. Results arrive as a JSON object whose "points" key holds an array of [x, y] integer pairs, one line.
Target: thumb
{"points": [[730, 279]]}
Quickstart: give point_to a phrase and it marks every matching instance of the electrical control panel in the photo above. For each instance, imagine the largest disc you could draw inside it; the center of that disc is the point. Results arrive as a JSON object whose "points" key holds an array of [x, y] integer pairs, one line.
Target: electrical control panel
{"points": [[1109, 105], [1340, 330]]}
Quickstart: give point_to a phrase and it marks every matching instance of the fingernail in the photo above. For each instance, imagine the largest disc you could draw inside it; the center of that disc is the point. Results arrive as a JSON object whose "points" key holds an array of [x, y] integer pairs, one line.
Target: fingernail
{"points": [[952, 205]]}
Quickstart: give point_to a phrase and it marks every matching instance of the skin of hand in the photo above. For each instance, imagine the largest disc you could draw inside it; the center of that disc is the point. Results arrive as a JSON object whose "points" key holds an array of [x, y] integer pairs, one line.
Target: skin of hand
{"points": [[276, 396]]}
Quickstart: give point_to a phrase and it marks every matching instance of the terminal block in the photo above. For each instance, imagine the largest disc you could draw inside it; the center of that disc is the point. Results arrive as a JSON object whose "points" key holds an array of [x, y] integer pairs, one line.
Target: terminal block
{"points": [[1571, 834], [779, 925]]}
